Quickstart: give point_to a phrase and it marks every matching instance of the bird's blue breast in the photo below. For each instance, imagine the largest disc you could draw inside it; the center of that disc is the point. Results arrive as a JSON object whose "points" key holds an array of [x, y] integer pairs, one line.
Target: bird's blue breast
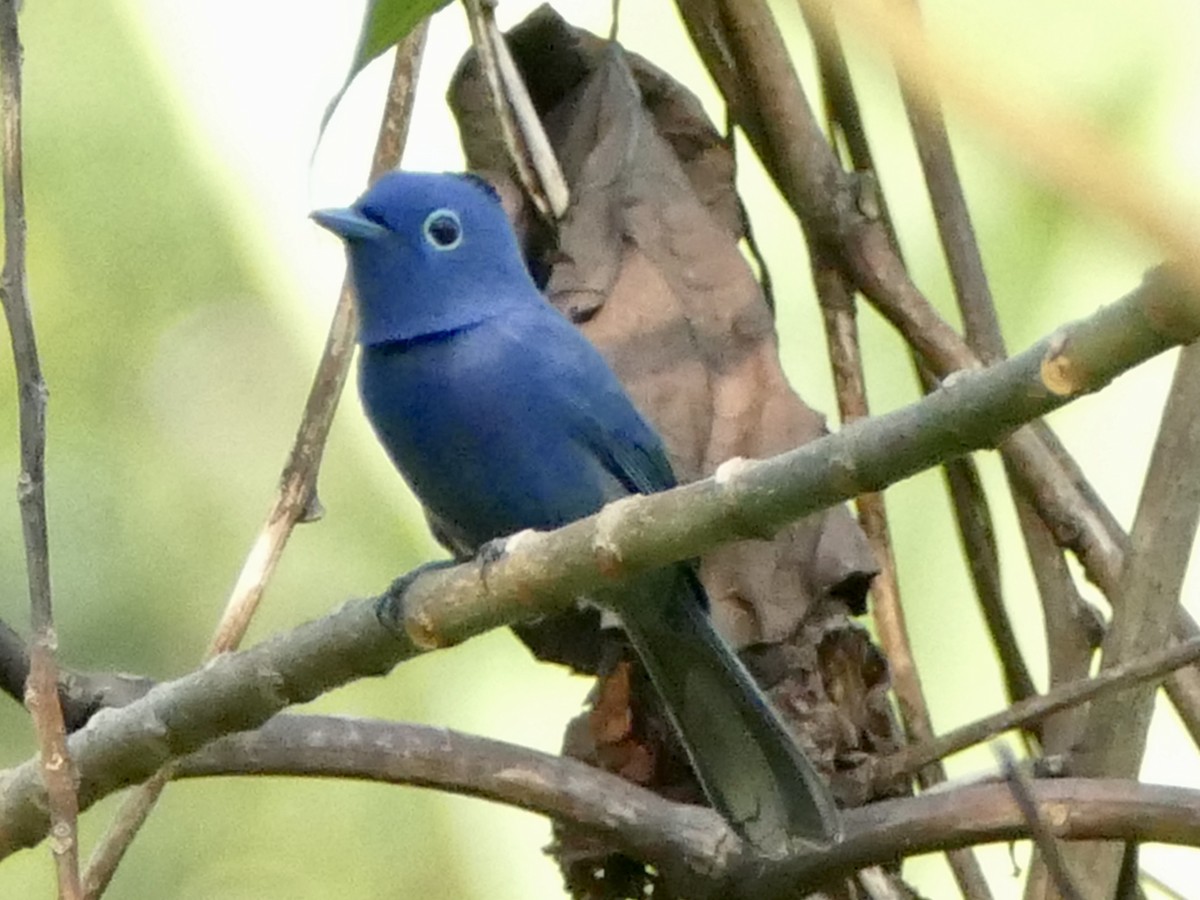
{"points": [[478, 423]]}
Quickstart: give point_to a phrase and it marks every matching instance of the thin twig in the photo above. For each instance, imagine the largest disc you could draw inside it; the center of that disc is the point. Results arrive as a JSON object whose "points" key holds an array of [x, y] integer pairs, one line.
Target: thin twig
{"points": [[977, 532], [1162, 537], [838, 309], [841, 333], [765, 282], [955, 230], [1022, 791], [1150, 668], [296, 500], [1073, 627], [526, 118], [80, 694], [839, 312], [520, 150], [41, 689], [982, 331]]}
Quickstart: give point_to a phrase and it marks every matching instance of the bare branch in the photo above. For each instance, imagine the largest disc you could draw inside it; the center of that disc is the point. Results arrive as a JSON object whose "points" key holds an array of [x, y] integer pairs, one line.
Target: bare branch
{"points": [[296, 500], [1163, 533], [542, 572], [80, 694], [1080, 809], [1073, 161], [839, 312], [41, 688], [1022, 791], [694, 849], [983, 336], [686, 842], [1164, 530], [1067, 632], [1148, 669]]}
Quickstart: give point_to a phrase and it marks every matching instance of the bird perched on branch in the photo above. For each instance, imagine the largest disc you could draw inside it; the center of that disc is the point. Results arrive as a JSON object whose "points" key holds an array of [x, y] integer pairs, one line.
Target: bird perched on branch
{"points": [[501, 416]]}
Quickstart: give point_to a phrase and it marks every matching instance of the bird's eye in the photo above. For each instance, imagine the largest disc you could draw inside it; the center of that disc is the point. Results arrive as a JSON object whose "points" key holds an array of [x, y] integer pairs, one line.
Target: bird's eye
{"points": [[443, 230]]}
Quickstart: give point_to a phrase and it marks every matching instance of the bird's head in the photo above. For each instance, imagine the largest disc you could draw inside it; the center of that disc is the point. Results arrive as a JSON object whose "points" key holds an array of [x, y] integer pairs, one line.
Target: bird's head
{"points": [[428, 253]]}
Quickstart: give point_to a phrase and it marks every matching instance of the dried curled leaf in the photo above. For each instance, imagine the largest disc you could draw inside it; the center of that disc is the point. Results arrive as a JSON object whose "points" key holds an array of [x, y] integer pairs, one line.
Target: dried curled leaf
{"points": [[646, 261]]}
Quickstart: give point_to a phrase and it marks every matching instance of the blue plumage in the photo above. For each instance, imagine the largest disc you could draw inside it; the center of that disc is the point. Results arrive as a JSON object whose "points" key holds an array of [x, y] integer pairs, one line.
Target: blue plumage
{"points": [[502, 416]]}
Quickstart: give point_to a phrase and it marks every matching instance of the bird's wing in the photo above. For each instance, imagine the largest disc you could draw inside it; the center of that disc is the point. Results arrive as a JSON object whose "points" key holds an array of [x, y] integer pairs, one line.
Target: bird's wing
{"points": [[610, 426], [590, 401], [634, 455]]}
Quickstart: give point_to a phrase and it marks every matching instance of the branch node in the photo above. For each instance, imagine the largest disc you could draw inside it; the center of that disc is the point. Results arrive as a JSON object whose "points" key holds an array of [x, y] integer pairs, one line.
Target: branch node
{"points": [[1060, 372], [606, 549]]}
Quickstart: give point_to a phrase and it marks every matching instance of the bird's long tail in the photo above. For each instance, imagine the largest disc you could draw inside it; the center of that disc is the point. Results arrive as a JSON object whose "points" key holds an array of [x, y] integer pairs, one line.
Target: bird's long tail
{"points": [[751, 768]]}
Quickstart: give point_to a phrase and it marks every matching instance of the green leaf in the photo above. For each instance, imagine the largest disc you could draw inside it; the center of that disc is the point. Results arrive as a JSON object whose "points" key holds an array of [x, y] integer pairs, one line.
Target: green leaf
{"points": [[385, 24]]}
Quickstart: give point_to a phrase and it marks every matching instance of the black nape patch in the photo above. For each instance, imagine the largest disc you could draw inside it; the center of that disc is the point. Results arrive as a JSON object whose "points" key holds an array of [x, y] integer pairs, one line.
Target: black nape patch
{"points": [[483, 184]]}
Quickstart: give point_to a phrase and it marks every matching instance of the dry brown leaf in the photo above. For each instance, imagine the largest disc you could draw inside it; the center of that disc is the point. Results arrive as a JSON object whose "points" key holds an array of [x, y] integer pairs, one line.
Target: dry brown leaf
{"points": [[646, 261]]}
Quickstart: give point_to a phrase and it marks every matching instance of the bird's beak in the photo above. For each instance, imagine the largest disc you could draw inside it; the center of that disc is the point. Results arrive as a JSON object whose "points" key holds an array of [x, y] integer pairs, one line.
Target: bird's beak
{"points": [[348, 224]]}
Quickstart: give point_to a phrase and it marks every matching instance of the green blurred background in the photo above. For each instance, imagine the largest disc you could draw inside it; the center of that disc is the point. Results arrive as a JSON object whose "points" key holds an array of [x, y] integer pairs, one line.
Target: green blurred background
{"points": [[180, 297]]}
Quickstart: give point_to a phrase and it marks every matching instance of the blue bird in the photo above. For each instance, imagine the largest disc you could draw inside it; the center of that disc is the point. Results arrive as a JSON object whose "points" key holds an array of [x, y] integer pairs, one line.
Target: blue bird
{"points": [[501, 416]]}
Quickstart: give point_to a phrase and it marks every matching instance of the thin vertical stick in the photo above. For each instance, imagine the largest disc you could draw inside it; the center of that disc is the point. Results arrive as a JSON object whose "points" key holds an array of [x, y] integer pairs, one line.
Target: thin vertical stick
{"points": [[1163, 533], [1043, 836], [528, 147], [41, 690], [838, 308]]}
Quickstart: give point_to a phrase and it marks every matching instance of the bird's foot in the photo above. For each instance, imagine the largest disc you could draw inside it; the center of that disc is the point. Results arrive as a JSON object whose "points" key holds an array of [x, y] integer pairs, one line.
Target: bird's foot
{"points": [[493, 551], [389, 608]]}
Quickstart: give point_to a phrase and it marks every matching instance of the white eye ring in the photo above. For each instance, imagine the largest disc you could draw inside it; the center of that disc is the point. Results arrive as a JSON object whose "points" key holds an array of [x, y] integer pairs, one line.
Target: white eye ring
{"points": [[443, 229]]}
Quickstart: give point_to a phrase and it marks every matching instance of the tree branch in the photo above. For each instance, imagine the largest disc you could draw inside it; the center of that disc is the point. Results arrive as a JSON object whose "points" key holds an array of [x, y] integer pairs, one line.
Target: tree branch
{"points": [[836, 298], [81, 694], [1163, 533], [694, 849], [1080, 809], [1039, 829], [529, 149], [1070, 159], [541, 572], [41, 688], [687, 843], [1148, 669], [752, 499]]}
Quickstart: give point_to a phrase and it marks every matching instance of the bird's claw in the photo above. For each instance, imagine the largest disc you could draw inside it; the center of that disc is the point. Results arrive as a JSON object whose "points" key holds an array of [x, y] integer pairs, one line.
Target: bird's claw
{"points": [[389, 608]]}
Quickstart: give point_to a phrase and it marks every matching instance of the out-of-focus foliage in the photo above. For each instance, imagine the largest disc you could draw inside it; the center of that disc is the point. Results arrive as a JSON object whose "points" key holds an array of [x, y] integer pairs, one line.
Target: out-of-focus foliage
{"points": [[176, 379]]}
